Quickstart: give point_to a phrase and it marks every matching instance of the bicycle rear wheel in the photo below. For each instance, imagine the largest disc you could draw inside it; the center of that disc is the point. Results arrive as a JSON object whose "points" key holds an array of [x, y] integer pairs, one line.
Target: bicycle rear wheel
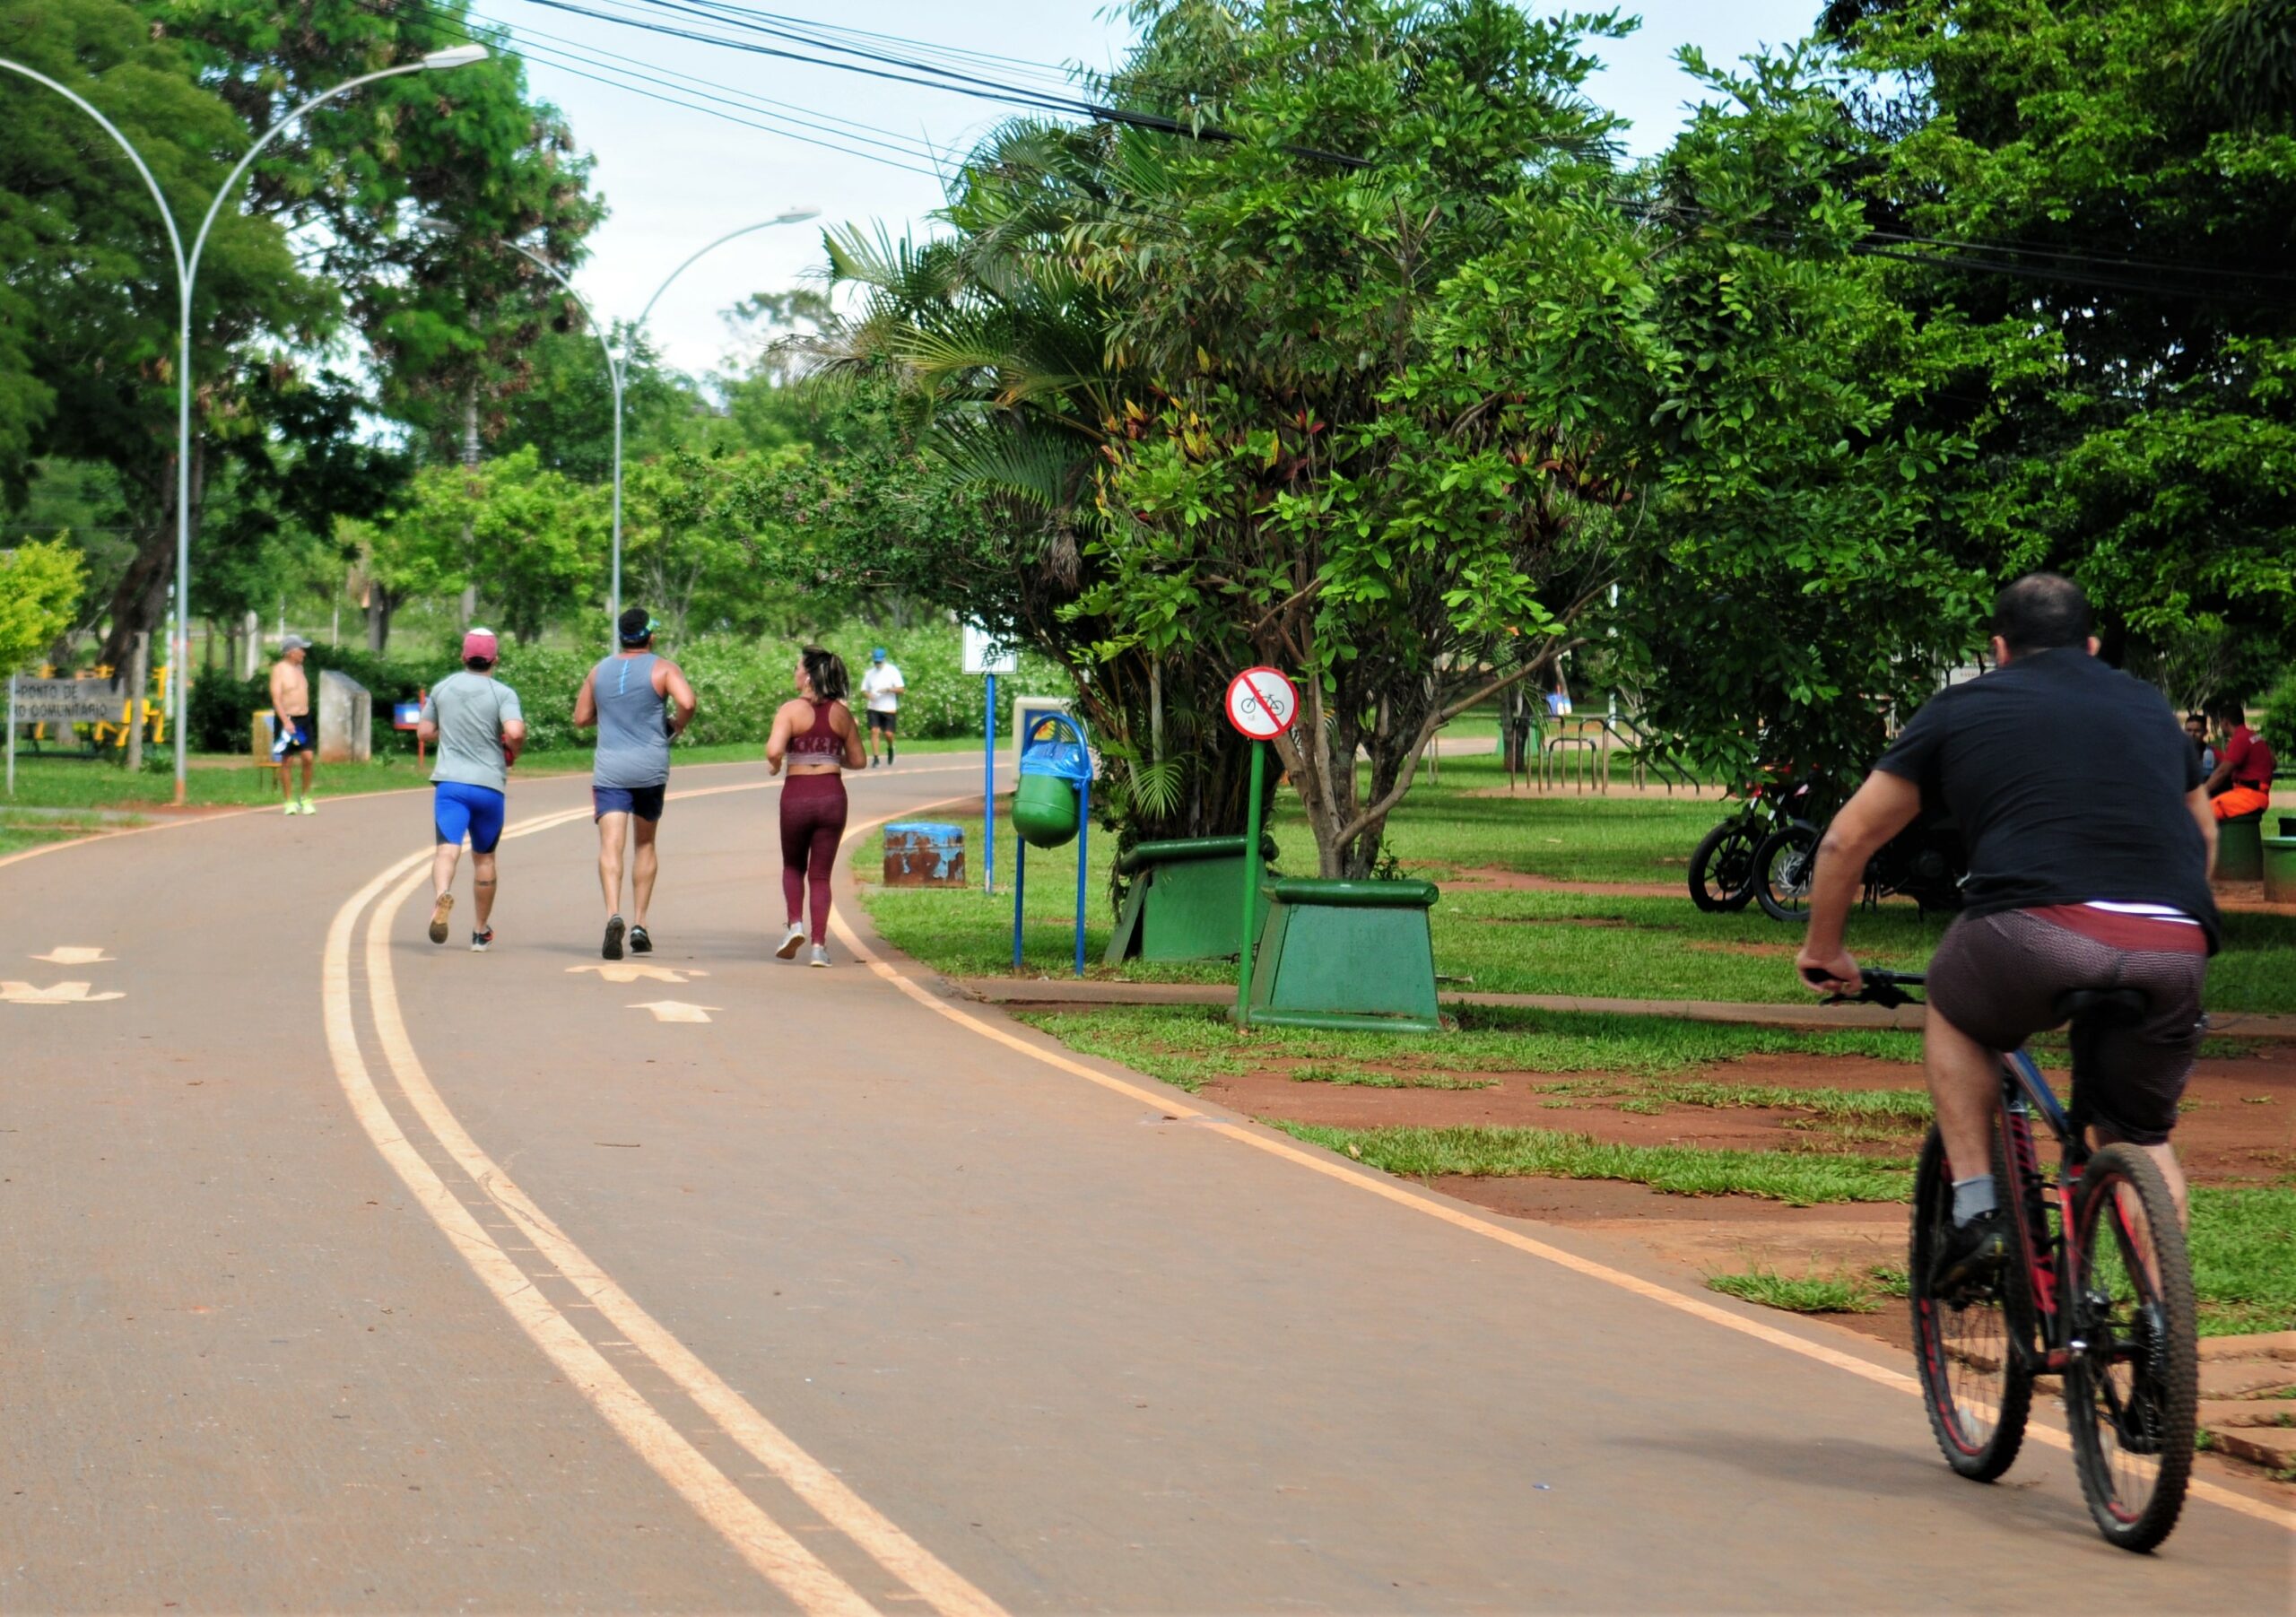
{"points": [[1977, 1382], [2132, 1395]]}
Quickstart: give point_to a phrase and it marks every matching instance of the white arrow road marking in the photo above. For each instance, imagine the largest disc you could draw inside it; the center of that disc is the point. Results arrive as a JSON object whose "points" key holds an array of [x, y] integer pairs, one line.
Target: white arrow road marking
{"points": [[623, 972], [74, 955], [676, 1010], [63, 994]]}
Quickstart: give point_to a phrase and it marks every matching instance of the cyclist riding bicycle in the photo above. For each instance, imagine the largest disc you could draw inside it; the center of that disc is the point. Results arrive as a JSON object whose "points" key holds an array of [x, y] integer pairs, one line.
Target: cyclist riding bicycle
{"points": [[2088, 870]]}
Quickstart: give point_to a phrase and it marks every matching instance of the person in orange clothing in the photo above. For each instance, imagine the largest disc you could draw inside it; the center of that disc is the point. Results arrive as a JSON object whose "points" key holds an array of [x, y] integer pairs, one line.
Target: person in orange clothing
{"points": [[2241, 782]]}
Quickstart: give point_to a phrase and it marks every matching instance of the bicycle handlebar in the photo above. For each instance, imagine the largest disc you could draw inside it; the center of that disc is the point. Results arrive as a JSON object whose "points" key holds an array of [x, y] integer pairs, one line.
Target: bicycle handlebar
{"points": [[1881, 988]]}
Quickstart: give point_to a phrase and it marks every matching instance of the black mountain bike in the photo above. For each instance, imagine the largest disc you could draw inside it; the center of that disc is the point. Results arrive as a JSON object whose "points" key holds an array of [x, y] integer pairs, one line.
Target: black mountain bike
{"points": [[2097, 1290]]}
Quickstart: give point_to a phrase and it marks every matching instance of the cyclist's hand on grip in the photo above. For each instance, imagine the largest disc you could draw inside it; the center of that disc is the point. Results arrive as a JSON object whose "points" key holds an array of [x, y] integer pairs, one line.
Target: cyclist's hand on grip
{"points": [[1823, 972]]}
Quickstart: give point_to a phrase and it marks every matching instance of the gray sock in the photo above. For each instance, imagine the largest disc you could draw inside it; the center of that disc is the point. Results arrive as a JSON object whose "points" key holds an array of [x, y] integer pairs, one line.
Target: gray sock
{"points": [[1973, 1197]]}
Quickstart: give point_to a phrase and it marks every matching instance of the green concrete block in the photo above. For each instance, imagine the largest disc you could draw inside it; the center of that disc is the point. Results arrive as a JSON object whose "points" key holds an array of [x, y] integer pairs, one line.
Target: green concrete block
{"points": [[1346, 955], [2239, 849], [1186, 901], [2280, 869]]}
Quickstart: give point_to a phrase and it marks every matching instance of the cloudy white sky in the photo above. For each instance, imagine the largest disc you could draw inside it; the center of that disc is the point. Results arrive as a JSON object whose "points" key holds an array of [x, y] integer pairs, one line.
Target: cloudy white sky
{"points": [[676, 177]]}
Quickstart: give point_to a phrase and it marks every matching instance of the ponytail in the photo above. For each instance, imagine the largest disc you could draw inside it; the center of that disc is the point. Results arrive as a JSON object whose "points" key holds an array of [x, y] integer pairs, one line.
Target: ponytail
{"points": [[826, 669]]}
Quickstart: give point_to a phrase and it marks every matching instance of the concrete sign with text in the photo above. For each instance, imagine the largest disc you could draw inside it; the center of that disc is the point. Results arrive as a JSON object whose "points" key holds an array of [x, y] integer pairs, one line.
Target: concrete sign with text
{"points": [[1262, 703]]}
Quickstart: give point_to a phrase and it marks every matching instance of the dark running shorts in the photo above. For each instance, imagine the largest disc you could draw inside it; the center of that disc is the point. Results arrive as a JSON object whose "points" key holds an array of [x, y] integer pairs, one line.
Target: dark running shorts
{"points": [[883, 721], [1997, 978], [645, 801], [298, 732]]}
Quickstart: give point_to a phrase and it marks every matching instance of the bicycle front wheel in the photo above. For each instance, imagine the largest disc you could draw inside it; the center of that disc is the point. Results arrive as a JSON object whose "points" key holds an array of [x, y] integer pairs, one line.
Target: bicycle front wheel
{"points": [[1976, 1380], [2131, 1394]]}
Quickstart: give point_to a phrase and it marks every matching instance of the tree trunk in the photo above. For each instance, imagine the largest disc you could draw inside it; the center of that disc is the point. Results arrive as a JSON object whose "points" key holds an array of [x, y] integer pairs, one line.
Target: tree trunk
{"points": [[251, 628], [140, 600], [380, 603], [139, 675]]}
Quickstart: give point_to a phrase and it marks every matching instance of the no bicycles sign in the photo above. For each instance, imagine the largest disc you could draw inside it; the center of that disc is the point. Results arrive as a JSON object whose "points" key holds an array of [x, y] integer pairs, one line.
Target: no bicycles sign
{"points": [[1262, 703]]}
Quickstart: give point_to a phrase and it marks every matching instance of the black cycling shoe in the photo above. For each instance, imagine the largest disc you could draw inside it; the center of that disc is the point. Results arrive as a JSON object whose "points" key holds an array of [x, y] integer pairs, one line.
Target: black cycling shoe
{"points": [[615, 929], [1972, 1256], [639, 942]]}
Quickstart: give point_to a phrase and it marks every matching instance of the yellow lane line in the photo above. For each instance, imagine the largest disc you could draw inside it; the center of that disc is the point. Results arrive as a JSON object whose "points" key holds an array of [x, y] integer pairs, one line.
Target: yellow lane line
{"points": [[1403, 1195], [822, 1488], [764, 1544]]}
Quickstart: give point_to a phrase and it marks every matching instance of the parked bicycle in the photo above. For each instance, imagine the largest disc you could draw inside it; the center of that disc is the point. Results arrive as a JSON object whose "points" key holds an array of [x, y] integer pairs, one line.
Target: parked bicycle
{"points": [[2097, 1290]]}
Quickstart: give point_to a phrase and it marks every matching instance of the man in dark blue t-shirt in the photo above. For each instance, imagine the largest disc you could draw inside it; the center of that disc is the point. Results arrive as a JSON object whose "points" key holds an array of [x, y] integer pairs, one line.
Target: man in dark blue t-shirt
{"points": [[2091, 842]]}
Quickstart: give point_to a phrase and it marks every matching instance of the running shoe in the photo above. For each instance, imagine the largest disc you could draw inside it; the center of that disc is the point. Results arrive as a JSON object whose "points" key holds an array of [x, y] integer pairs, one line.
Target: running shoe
{"points": [[615, 929], [1971, 1258], [821, 955], [481, 942], [303, 805], [640, 942], [291, 810], [791, 941], [441, 908]]}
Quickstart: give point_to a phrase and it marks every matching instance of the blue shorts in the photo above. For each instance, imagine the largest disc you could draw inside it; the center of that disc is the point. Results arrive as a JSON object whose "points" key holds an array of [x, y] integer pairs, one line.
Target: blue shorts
{"points": [[641, 802], [456, 808]]}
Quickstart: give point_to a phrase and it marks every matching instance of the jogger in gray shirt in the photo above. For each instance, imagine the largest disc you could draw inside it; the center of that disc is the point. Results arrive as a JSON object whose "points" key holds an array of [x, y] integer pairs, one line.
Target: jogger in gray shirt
{"points": [[624, 696]]}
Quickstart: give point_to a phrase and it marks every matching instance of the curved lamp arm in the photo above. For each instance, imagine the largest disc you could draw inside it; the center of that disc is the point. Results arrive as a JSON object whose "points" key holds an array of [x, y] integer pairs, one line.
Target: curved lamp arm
{"points": [[794, 216], [167, 217], [434, 61], [613, 365]]}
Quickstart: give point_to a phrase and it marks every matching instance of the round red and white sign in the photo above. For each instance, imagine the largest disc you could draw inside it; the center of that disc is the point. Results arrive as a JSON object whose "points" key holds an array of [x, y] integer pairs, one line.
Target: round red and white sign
{"points": [[1262, 703]]}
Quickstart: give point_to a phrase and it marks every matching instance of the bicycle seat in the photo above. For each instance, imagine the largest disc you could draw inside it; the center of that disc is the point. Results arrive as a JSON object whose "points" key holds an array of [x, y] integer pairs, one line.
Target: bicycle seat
{"points": [[2104, 1004]]}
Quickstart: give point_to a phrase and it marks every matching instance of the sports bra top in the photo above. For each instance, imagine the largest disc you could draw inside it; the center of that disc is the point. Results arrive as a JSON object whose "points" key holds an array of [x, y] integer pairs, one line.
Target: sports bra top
{"points": [[821, 744]]}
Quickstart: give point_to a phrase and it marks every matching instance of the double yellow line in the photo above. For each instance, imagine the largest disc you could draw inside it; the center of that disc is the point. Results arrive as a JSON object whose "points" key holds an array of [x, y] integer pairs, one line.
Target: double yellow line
{"points": [[769, 1547]]}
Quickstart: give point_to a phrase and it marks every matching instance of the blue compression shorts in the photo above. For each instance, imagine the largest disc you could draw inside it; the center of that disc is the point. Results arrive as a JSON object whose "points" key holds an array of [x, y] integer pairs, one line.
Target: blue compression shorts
{"points": [[456, 808]]}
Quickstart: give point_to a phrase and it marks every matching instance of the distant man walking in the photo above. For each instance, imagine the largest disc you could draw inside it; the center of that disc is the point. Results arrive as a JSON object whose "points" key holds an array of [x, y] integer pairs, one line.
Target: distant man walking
{"points": [[474, 721], [291, 722], [623, 697], [880, 689]]}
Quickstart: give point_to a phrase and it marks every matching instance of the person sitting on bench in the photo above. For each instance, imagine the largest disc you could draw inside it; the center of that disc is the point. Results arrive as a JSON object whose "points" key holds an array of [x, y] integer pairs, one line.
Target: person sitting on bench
{"points": [[2241, 782]]}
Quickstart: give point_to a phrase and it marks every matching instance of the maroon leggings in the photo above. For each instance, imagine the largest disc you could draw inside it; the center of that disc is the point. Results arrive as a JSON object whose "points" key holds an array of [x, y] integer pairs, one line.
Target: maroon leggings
{"points": [[812, 823]]}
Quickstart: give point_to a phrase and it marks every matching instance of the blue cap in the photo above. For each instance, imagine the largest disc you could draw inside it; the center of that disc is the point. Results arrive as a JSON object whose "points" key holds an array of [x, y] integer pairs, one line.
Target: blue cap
{"points": [[878, 655]]}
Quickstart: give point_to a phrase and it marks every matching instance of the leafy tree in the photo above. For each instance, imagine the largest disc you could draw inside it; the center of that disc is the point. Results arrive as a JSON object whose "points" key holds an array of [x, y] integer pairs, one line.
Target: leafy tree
{"points": [[532, 540], [2096, 199], [40, 591], [88, 317]]}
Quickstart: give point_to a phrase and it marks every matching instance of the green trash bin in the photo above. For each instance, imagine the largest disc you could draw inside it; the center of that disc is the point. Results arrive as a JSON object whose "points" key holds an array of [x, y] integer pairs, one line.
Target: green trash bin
{"points": [[1044, 810], [1185, 901], [2280, 868], [2239, 849], [1346, 955]]}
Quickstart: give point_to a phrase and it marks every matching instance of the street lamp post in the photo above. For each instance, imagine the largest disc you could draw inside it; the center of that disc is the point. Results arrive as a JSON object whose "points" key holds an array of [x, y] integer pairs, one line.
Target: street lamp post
{"points": [[187, 272], [615, 371]]}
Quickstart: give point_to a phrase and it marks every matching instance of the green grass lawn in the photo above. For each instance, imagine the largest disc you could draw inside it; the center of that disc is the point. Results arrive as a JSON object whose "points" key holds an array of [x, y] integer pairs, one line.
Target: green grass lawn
{"points": [[1188, 1045], [1494, 939]]}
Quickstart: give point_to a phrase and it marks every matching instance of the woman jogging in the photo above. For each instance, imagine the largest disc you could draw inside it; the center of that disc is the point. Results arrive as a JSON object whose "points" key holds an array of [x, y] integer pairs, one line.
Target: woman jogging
{"points": [[815, 734]]}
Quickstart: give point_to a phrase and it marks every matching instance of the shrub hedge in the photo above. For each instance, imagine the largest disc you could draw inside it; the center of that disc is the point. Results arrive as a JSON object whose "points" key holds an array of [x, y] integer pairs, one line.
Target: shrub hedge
{"points": [[739, 683]]}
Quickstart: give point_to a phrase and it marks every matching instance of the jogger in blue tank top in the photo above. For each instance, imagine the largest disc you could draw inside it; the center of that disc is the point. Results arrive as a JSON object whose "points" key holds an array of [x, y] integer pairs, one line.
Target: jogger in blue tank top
{"points": [[625, 696]]}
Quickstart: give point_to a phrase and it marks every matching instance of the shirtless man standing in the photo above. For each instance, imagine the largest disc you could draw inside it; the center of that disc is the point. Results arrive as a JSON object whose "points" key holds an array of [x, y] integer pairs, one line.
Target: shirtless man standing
{"points": [[291, 722]]}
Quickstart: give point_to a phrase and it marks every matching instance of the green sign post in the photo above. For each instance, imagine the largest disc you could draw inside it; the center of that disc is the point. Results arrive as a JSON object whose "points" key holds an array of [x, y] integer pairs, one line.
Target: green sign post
{"points": [[1262, 705]]}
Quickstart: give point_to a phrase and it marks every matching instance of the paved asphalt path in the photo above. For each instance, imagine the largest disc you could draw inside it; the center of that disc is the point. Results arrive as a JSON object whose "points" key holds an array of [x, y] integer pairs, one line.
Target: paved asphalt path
{"points": [[341, 1270]]}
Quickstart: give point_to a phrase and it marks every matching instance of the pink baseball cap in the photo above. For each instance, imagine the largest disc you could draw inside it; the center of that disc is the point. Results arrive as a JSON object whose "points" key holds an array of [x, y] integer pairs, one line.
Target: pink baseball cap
{"points": [[482, 643]]}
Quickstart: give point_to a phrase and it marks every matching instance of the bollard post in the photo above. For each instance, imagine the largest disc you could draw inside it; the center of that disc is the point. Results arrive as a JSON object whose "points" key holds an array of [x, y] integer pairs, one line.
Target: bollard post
{"points": [[989, 795], [1251, 882], [1083, 860]]}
